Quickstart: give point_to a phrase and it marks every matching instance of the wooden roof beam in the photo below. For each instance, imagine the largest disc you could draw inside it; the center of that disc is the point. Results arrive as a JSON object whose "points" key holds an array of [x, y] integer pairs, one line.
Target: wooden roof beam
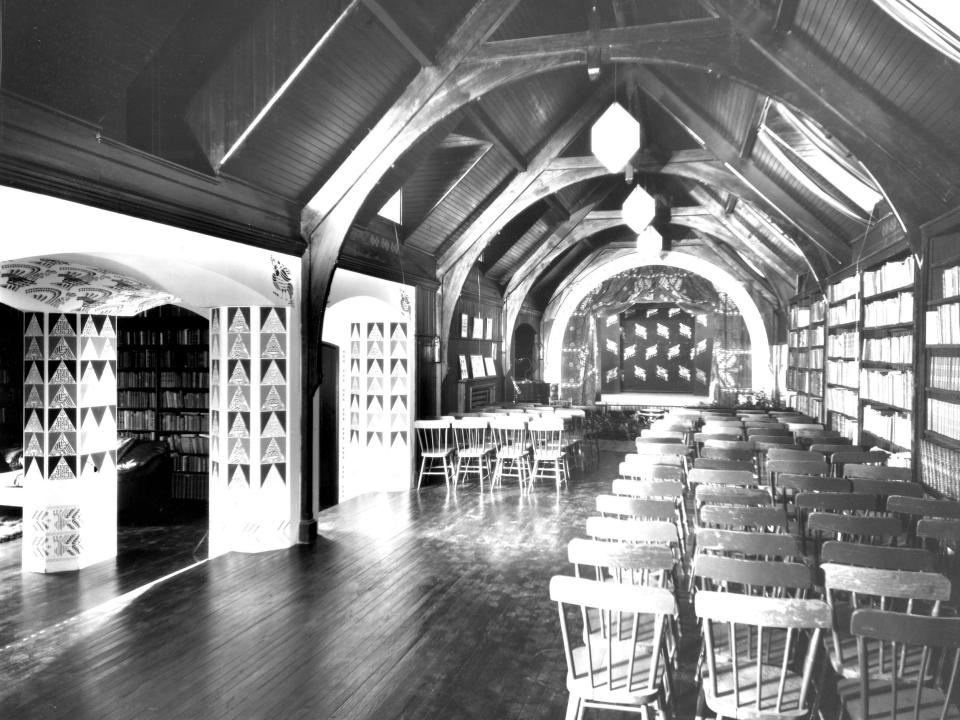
{"points": [[412, 46], [488, 128], [702, 128], [757, 115]]}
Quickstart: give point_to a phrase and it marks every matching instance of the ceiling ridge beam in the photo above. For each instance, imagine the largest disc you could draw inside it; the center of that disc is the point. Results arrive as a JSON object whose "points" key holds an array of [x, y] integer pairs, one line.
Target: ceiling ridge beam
{"points": [[614, 41], [414, 48]]}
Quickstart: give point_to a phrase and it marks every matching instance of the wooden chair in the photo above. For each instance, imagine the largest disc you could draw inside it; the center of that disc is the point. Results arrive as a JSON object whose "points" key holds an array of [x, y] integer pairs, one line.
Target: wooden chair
{"points": [[771, 678], [633, 564], [704, 476], [513, 445], [883, 489], [914, 691], [718, 453], [637, 508], [437, 449], [877, 472], [871, 530], [718, 464], [878, 556], [671, 490], [613, 663], [912, 509], [549, 449], [650, 471], [787, 486], [752, 577], [856, 457], [795, 454], [748, 545], [474, 442], [636, 532], [729, 517], [848, 588], [944, 535], [573, 435]]}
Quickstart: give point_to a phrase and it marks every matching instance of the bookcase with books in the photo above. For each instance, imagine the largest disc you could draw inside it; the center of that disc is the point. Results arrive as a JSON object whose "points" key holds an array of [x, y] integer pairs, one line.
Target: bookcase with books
{"points": [[887, 358], [843, 356], [805, 354], [163, 390], [939, 432]]}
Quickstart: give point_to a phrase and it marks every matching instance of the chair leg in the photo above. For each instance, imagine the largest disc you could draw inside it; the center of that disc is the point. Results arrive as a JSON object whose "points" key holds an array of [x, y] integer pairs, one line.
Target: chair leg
{"points": [[423, 466], [574, 708]]}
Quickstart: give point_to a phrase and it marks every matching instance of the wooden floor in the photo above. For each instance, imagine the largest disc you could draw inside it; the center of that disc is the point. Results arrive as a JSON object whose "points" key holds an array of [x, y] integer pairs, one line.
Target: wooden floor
{"points": [[417, 605]]}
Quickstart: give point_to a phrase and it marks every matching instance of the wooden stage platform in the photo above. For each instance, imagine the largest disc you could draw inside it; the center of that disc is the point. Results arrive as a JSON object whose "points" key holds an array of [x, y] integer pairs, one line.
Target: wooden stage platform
{"points": [[633, 401], [411, 605]]}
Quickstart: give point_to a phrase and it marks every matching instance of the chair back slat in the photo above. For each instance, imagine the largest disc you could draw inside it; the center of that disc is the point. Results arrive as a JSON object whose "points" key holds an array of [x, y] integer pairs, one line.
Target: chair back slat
{"points": [[923, 507], [597, 553], [836, 502], [701, 476], [877, 472], [623, 506], [753, 545], [878, 556], [742, 518], [760, 574], [633, 531], [648, 488], [650, 471]]}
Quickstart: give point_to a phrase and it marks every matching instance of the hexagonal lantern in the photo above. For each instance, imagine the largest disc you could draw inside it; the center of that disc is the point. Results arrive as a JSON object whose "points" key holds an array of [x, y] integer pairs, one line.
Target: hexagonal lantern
{"points": [[639, 209], [615, 137], [649, 241]]}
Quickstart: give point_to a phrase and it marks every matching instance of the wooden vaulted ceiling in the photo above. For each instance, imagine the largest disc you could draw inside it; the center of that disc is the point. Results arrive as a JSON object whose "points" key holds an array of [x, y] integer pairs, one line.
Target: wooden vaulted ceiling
{"points": [[284, 123]]}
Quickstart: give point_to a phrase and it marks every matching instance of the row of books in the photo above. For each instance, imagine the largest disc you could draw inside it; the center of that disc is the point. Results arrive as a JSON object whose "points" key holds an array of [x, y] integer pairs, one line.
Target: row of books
{"points": [[891, 387], [806, 382], [889, 276], [944, 372], [140, 360], [185, 422], [843, 372], [950, 282], [190, 400], [135, 379], [844, 345], [812, 359], [182, 336], [943, 325], [940, 468], [189, 444], [842, 400], [944, 418], [892, 311], [191, 463], [194, 379], [848, 312], [805, 404], [892, 349], [188, 486], [848, 427], [896, 428], [135, 399], [811, 337], [848, 287], [803, 316], [136, 420]]}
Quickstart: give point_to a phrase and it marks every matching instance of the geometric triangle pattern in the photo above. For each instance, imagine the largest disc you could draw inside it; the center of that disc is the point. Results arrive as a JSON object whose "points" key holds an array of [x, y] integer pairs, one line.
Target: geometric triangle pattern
{"points": [[273, 320], [239, 320], [33, 350]]}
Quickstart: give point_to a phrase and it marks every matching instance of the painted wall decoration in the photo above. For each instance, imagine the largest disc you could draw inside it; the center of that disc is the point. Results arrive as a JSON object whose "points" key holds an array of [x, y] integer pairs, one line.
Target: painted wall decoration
{"points": [[48, 285], [371, 321], [70, 439], [251, 410]]}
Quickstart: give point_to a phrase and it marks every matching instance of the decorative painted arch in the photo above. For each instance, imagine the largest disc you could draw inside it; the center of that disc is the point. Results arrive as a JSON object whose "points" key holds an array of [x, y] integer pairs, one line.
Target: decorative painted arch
{"points": [[604, 267]]}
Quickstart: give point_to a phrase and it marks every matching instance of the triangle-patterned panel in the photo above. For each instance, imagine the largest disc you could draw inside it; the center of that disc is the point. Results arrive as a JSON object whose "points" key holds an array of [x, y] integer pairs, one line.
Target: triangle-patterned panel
{"points": [[33, 328], [239, 320], [275, 373], [33, 351], [374, 332], [398, 332], [239, 425], [271, 451], [240, 452], [374, 440], [89, 350], [109, 327], [63, 444], [273, 399], [88, 328], [34, 377], [62, 421], [65, 349], [63, 396], [274, 475], [398, 368], [60, 374], [375, 349], [272, 425], [108, 348], [34, 446], [354, 331], [237, 475], [398, 439], [240, 399], [375, 368], [62, 467], [215, 321], [64, 326], [239, 372], [354, 437], [271, 347], [33, 399], [238, 346], [33, 423], [32, 470], [273, 320]]}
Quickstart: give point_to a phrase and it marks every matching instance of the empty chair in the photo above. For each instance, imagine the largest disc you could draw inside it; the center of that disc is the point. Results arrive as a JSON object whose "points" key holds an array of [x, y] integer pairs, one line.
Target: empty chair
{"points": [[878, 556], [613, 664], [620, 562], [513, 450], [703, 476], [877, 472], [883, 489], [573, 422], [655, 509], [719, 453], [474, 443], [850, 587], [435, 441], [650, 471], [856, 457], [671, 490], [549, 448], [912, 509], [752, 577], [871, 530], [748, 545], [944, 535], [750, 643], [774, 467], [904, 690], [652, 532], [719, 464], [788, 486], [732, 517]]}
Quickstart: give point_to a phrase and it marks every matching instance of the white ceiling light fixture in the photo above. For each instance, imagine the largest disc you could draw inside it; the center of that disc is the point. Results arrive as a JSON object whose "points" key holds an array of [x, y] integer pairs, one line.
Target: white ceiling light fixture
{"points": [[639, 209], [649, 241], [615, 137]]}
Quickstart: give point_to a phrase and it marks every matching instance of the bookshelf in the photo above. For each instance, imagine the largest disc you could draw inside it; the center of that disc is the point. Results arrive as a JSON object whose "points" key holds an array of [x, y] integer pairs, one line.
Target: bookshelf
{"points": [[806, 341], [887, 354], [939, 406], [163, 390], [11, 377], [842, 397]]}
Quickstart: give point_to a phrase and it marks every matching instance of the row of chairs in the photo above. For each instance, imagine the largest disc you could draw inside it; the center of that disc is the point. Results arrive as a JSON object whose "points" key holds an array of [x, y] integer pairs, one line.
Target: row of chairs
{"points": [[766, 609]]}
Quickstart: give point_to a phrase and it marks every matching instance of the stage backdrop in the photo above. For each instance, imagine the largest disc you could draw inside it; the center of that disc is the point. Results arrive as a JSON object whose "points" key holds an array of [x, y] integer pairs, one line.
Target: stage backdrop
{"points": [[591, 345], [658, 352]]}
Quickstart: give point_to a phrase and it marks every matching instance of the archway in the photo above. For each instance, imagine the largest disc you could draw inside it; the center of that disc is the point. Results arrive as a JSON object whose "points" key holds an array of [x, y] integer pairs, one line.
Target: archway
{"points": [[605, 266], [525, 363]]}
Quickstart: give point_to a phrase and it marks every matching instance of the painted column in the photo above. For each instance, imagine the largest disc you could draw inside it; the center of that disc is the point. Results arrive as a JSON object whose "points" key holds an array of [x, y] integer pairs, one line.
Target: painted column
{"points": [[69, 440], [254, 422]]}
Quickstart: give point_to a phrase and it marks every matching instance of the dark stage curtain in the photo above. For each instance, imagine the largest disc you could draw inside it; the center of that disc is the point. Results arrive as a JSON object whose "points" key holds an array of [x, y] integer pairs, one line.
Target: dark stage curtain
{"points": [[591, 331]]}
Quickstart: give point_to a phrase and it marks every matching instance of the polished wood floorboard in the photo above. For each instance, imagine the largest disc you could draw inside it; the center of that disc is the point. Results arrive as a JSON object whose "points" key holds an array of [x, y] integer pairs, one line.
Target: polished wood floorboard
{"points": [[410, 605]]}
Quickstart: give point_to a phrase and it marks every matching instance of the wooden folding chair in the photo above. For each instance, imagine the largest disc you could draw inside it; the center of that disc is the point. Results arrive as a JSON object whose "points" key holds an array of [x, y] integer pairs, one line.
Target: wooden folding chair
{"points": [[437, 450], [614, 644]]}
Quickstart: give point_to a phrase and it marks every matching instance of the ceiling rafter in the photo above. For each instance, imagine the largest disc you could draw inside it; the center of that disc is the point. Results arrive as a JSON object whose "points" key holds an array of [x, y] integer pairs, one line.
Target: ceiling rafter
{"points": [[728, 259], [417, 51], [491, 132]]}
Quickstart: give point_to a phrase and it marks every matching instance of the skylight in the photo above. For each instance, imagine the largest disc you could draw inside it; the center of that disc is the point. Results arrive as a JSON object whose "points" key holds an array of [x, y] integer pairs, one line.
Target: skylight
{"points": [[936, 22]]}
